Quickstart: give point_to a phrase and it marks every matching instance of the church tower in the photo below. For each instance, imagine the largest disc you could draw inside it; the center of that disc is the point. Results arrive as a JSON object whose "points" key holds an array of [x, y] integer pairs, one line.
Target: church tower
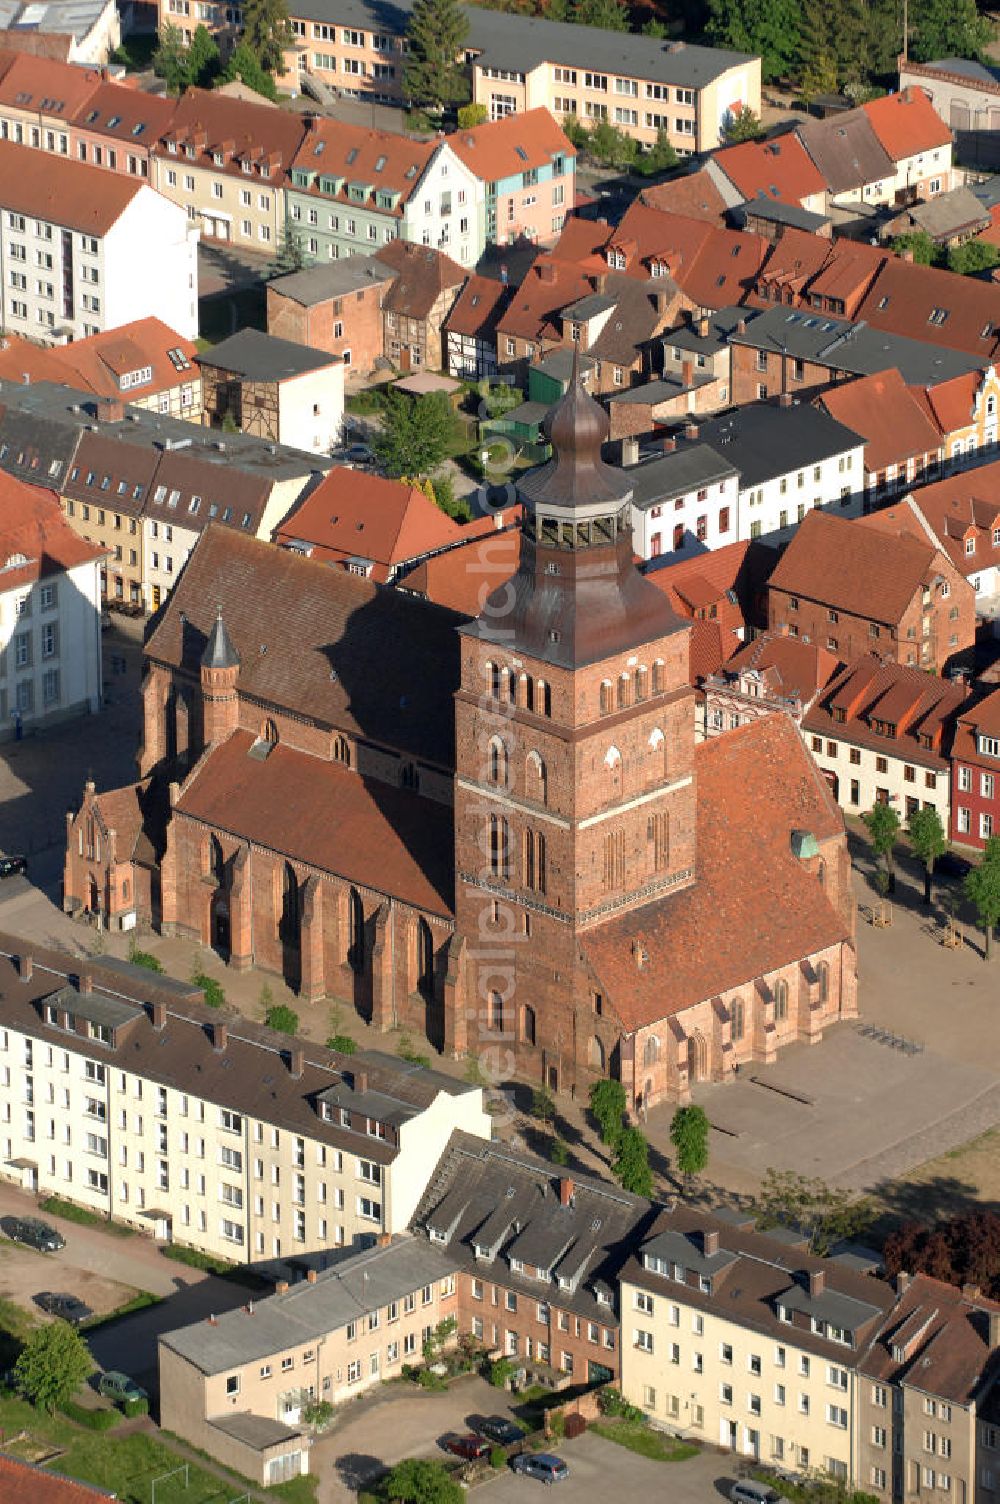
{"points": [[574, 795], [220, 666]]}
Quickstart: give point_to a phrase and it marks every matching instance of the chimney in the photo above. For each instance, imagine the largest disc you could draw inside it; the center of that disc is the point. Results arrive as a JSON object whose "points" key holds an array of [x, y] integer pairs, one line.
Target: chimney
{"points": [[159, 1016], [361, 1082], [565, 1191], [741, 326], [296, 1061], [546, 271], [970, 1291], [710, 1243], [687, 372], [903, 1282], [311, 1276], [85, 984], [220, 1037], [110, 410], [994, 1330], [703, 326], [690, 430], [25, 966], [785, 400], [281, 1288], [630, 451], [669, 445], [817, 1281]]}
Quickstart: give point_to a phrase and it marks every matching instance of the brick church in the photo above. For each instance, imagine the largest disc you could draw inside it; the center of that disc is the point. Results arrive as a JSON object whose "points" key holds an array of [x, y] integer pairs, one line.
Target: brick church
{"points": [[496, 831]]}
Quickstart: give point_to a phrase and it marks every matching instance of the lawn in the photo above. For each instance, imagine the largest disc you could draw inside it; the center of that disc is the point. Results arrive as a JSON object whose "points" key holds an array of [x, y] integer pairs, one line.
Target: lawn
{"points": [[56, 1206], [639, 1437]]}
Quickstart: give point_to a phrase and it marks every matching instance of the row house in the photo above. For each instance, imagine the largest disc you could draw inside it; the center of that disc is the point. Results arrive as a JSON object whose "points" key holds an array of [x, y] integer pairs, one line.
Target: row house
{"points": [[856, 589], [962, 513], [965, 412], [890, 151], [767, 675], [336, 307], [50, 631], [684, 502], [779, 171], [902, 444], [84, 251], [975, 773], [713, 267], [415, 309], [881, 734], [144, 363], [471, 329], [133, 1100], [525, 168]]}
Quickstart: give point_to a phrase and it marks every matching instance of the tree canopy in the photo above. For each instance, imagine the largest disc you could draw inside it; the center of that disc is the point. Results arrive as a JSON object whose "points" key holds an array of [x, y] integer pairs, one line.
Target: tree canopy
{"points": [[244, 65], [947, 28], [929, 842], [180, 65], [52, 1365], [631, 1163], [982, 889], [689, 1136], [267, 32], [961, 1249], [883, 827], [435, 38], [421, 1480], [416, 433], [607, 1105], [825, 1214]]}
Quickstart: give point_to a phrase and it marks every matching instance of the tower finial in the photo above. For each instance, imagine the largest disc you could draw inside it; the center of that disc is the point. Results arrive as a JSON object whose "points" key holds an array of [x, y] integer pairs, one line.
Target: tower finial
{"points": [[574, 376]]}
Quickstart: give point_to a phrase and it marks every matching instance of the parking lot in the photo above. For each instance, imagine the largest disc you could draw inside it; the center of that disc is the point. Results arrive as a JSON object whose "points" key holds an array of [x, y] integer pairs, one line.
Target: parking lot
{"points": [[598, 1467]]}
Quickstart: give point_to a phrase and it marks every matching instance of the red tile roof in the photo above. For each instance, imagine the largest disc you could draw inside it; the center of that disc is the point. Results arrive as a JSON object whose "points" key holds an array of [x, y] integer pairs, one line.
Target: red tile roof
{"points": [[951, 1352], [26, 81], [582, 241], [798, 668], [549, 286], [350, 152], [71, 194], [715, 268], [853, 568], [869, 693], [755, 786], [477, 308], [508, 147], [422, 275], [964, 506], [889, 417], [463, 578], [21, 1481], [212, 122], [96, 364], [696, 585], [118, 111], [794, 260], [907, 123], [931, 304], [355, 515], [780, 171], [322, 813], [951, 404], [708, 648], [32, 525], [695, 195]]}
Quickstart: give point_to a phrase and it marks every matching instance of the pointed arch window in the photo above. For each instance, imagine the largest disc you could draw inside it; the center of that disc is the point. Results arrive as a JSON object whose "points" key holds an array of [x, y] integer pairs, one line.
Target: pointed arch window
{"points": [[342, 750], [217, 862], [425, 957], [780, 1000], [498, 769], [737, 1019], [356, 931], [536, 778], [289, 920], [499, 847]]}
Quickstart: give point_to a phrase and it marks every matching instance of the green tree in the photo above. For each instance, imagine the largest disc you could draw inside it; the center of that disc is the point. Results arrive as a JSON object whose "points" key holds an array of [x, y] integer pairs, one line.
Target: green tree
{"points": [[883, 827], [689, 1136], [631, 1163], [769, 27], [611, 146], [471, 115], [656, 29], [607, 1105], [609, 15], [947, 28], [203, 62], [416, 433], [660, 157], [543, 1105], [291, 254], [825, 1214], [282, 1018], [973, 256], [918, 243], [742, 125], [558, 1152], [170, 60], [982, 889], [52, 1365], [421, 1480], [245, 66], [342, 1043], [434, 1344], [928, 840], [435, 39], [267, 32]]}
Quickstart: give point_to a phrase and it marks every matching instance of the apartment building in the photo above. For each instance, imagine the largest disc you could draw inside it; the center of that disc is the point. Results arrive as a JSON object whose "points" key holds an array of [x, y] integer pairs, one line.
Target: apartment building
{"points": [[236, 1386], [117, 128], [747, 1341], [84, 250], [684, 501], [50, 629], [975, 766], [125, 1094], [525, 167], [223, 161], [881, 733], [901, 442], [144, 363]]}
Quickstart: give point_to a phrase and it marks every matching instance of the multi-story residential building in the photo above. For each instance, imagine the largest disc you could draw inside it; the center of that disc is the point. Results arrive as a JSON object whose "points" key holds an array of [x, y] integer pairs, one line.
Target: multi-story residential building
{"points": [[926, 1393], [685, 501], [889, 151], [526, 170], [881, 733], [791, 461], [337, 308], [131, 1098], [50, 622], [975, 773], [471, 328], [143, 363], [416, 306], [961, 515], [902, 444], [117, 127], [965, 412], [275, 390], [143, 486], [237, 1387], [84, 250], [769, 674], [224, 162], [39, 98], [856, 589], [748, 1342]]}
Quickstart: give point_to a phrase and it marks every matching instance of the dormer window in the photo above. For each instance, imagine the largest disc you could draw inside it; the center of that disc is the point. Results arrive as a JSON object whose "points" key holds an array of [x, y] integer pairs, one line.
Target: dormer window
{"points": [[679, 1273], [603, 1298], [516, 1266], [375, 1128], [102, 1033], [704, 1284], [435, 1236], [218, 159], [246, 167], [51, 1013], [345, 1118], [785, 1315], [482, 1252]]}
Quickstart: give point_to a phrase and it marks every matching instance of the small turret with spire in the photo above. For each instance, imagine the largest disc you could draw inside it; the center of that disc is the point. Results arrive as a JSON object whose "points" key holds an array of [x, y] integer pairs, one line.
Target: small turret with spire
{"points": [[220, 666]]}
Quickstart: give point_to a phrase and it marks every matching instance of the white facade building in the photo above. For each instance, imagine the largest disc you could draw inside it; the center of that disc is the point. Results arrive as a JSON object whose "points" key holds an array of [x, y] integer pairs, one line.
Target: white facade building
{"points": [[84, 250], [50, 613], [684, 503], [447, 209]]}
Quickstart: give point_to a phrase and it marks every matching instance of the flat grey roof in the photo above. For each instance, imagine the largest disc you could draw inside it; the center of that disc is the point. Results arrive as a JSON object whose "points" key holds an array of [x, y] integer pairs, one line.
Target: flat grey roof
{"points": [[661, 390], [977, 72], [783, 214], [857, 348], [75, 18], [257, 1431], [334, 279], [353, 1288], [257, 356], [831, 1305], [763, 441], [672, 474]]}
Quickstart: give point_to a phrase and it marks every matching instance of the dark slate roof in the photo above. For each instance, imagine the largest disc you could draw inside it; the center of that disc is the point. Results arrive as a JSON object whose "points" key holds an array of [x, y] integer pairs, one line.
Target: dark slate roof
{"points": [[721, 324], [263, 357], [332, 279], [857, 348], [674, 474], [663, 389], [764, 441], [489, 1196], [219, 651], [780, 214], [588, 307], [968, 67], [256, 1431]]}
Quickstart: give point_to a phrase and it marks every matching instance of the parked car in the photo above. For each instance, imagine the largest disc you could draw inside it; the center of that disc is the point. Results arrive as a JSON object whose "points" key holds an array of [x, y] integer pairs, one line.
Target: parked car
{"points": [[120, 1388], [501, 1429], [65, 1306], [11, 866], [33, 1232], [542, 1465], [359, 454], [470, 1447], [747, 1491]]}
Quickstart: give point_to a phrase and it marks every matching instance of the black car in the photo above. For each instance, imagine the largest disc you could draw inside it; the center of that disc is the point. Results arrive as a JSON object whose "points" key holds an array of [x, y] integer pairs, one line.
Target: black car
{"points": [[501, 1430], [65, 1306], [34, 1232], [13, 866]]}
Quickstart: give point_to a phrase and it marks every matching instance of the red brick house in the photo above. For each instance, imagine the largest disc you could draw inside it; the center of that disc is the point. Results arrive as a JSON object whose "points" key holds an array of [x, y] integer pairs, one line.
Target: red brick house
{"points": [[854, 589], [113, 845], [975, 774], [335, 307]]}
